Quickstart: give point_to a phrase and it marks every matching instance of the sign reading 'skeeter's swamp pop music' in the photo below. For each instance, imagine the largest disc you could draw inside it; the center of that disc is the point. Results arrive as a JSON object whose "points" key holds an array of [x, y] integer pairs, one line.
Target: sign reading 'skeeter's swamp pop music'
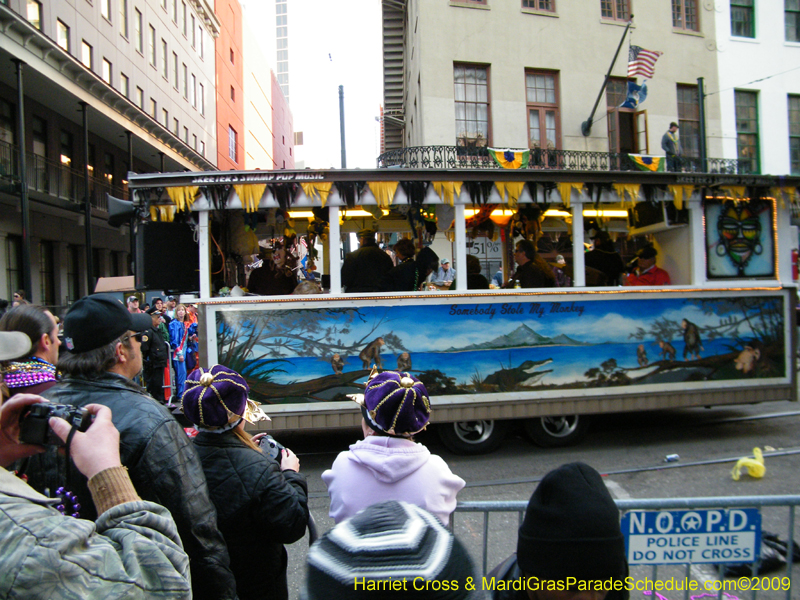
{"points": [[505, 345], [695, 536]]}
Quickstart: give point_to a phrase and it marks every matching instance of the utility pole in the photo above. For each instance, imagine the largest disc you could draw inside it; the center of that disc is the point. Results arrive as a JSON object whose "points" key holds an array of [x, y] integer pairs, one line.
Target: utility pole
{"points": [[27, 284]]}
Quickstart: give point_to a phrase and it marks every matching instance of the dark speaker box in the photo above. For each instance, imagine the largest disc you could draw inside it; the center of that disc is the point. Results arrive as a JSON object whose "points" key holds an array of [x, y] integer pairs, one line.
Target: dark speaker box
{"points": [[167, 258]]}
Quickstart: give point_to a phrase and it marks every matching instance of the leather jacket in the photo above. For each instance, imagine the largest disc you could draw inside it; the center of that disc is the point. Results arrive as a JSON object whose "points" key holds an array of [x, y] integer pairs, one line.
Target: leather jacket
{"points": [[259, 509], [163, 467]]}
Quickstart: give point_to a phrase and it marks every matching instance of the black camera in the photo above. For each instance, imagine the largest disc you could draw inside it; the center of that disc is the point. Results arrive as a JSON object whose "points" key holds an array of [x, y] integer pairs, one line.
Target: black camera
{"points": [[34, 425], [271, 447]]}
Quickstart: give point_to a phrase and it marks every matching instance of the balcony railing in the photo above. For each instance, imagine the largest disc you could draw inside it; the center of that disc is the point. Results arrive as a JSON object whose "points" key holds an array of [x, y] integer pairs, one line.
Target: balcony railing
{"points": [[54, 179], [459, 157]]}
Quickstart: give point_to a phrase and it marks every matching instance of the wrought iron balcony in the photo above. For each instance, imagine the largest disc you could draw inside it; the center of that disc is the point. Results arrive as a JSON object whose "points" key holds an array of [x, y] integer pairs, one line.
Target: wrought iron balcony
{"points": [[459, 157], [53, 179]]}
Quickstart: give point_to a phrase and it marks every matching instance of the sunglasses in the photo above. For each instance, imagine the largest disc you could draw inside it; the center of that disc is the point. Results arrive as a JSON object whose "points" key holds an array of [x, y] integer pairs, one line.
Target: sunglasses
{"points": [[136, 336]]}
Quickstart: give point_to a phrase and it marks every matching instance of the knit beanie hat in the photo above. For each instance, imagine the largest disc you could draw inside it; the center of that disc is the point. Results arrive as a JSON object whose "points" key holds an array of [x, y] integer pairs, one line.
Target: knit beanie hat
{"points": [[395, 403], [217, 398], [571, 529], [364, 556]]}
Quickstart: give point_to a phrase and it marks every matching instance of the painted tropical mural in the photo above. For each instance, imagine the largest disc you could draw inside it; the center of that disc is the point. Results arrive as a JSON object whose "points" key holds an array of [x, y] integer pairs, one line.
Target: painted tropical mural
{"points": [[322, 354]]}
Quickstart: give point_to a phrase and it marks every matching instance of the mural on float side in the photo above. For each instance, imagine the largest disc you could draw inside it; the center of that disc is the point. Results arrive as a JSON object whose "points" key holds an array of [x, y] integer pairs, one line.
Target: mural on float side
{"points": [[322, 354], [739, 239]]}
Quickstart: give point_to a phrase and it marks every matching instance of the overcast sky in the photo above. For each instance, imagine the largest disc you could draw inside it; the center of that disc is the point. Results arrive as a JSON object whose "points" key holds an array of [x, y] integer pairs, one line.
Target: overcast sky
{"points": [[332, 44]]}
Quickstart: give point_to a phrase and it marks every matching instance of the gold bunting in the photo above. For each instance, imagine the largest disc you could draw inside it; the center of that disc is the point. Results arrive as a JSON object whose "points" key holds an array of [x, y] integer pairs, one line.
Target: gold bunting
{"points": [[565, 189], [737, 192], [250, 195], [632, 189], [383, 192], [166, 213], [447, 190], [679, 192], [314, 190], [782, 193], [183, 196]]}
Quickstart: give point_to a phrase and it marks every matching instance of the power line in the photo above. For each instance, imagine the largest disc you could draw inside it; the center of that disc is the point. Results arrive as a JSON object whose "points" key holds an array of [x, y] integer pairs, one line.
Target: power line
{"points": [[754, 81]]}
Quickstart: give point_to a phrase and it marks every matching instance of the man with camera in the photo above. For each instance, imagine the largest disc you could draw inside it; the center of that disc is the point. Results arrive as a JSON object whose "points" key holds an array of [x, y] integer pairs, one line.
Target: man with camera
{"points": [[103, 340], [133, 550]]}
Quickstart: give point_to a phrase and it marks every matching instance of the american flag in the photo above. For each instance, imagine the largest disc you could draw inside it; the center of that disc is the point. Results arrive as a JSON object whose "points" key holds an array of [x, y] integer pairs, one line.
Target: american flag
{"points": [[642, 62]]}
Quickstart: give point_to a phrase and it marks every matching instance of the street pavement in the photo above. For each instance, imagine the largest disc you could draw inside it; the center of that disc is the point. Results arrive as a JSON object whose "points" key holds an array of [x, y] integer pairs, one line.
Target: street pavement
{"points": [[629, 449]]}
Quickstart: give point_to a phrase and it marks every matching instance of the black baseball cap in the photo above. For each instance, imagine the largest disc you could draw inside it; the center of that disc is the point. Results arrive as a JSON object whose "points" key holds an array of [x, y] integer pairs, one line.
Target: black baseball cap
{"points": [[99, 319]]}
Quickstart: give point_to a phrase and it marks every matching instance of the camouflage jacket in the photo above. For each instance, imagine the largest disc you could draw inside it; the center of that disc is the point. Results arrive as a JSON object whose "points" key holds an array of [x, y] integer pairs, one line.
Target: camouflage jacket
{"points": [[132, 551]]}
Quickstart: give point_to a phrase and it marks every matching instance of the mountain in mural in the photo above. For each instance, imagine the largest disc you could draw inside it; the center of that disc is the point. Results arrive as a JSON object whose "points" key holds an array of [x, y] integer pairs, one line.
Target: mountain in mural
{"points": [[523, 336]]}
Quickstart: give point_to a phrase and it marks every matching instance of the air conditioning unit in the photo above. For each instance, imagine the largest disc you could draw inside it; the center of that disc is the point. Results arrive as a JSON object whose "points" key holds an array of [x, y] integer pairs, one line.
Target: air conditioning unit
{"points": [[652, 217]]}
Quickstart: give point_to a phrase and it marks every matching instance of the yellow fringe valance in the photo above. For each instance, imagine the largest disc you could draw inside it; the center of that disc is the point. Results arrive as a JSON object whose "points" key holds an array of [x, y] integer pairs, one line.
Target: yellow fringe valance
{"points": [[447, 190], [631, 189], [162, 212], [250, 195], [565, 189], [514, 189], [679, 192], [317, 190], [183, 196], [383, 192]]}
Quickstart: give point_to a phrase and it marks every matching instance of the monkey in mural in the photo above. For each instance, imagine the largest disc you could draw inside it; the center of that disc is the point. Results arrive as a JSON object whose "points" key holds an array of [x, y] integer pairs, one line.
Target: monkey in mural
{"points": [[641, 355], [748, 360], [337, 363], [692, 345], [667, 350], [372, 353], [404, 362]]}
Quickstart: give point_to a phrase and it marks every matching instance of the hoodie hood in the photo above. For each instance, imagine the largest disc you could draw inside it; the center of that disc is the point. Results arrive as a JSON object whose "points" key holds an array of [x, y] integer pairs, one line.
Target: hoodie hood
{"points": [[389, 459]]}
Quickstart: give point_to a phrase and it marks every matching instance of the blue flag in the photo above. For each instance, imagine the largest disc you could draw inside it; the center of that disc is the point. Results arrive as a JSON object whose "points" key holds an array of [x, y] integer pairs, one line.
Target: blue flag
{"points": [[636, 95]]}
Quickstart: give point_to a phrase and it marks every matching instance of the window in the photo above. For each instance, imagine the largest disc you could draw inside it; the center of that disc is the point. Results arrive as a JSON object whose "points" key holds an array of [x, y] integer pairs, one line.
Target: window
{"points": [[544, 122], [232, 143], [165, 117], [201, 37], [164, 59], [39, 167], [35, 13], [137, 32], [124, 85], [792, 18], [175, 70], [233, 94], [794, 134], [153, 108], [194, 34], [86, 54], [201, 98], [194, 141], [175, 11], [175, 126], [185, 81], [186, 135], [106, 72], [73, 273], [193, 91], [232, 56], [183, 18], [14, 266], [619, 10], [151, 46], [47, 278], [164, 4], [202, 148], [62, 35], [747, 131], [123, 18], [108, 171], [472, 105], [545, 5], [66, 148], [684, 15], [105, 9], [139, 97], [689, 120], [743, 18]]}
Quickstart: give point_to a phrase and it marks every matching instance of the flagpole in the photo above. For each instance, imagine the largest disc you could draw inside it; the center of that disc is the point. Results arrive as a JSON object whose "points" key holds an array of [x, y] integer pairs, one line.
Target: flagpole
{"points": [[586, 126]]}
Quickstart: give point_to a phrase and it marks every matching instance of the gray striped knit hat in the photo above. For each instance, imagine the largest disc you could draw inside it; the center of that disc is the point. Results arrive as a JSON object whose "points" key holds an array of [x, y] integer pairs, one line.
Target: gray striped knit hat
{"points": [[369, 555]]}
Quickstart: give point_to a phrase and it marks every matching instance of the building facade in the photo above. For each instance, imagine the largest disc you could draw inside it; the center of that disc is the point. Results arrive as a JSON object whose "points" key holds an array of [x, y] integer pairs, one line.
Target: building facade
{"points": [[144, 71], [526, 74], [230, 86], [758, 44]]}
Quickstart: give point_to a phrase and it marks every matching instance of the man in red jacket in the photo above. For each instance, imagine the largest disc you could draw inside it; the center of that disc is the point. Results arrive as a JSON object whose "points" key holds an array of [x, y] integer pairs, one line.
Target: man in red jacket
{"points": [[646, 272]]}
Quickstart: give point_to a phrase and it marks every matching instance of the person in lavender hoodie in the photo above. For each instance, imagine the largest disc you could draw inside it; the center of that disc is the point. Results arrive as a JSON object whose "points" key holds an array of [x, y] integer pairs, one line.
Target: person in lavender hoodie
{"points": [[387, 464]]}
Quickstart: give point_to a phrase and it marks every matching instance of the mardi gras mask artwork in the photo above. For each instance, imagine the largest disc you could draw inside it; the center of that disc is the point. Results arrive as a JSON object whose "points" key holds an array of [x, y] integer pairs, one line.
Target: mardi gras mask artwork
{"points": [[739, 229]]}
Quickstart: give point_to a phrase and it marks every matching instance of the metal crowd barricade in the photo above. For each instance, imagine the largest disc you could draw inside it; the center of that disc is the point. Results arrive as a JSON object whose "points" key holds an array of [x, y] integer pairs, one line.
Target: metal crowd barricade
{"points": [[789, 502]]}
